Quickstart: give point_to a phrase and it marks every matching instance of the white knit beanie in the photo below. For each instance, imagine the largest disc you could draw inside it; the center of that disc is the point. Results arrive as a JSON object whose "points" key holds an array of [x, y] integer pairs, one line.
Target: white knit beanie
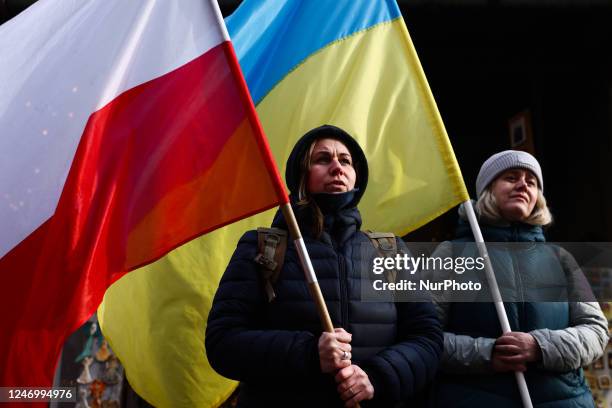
{"points": [[508, 159]]}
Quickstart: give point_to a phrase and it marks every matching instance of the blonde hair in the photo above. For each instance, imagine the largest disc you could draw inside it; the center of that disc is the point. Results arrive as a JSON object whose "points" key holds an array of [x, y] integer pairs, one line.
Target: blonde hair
{"points": [[305, 166], [487, 208], [304, 199]]}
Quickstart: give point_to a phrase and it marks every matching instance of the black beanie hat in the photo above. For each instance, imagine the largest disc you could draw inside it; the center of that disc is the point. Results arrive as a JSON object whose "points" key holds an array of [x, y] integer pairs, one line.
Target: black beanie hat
{"points": [[360, 163]]}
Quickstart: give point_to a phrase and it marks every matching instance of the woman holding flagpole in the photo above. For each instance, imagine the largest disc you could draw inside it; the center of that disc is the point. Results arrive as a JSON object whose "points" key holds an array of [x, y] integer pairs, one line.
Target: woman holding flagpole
{"points": [[263, 329], [550, 340]]}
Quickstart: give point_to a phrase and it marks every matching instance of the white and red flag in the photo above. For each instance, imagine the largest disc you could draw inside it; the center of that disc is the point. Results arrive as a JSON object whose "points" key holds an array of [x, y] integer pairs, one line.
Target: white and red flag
{"points": [[126, 130]]}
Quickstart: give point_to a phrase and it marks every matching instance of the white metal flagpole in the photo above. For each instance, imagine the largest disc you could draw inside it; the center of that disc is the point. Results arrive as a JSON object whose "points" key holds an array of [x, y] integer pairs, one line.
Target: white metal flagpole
{"points": [[497, 299]]}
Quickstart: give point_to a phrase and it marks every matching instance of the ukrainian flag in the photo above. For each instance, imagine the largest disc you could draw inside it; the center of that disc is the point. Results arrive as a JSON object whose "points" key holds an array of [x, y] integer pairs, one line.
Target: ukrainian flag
{"points": [[352, 64], [349, 63]]}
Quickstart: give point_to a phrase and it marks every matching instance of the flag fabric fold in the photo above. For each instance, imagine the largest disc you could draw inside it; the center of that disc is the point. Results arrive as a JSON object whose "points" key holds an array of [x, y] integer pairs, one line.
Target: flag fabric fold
{"points": [[127, 130], [348, 63]]}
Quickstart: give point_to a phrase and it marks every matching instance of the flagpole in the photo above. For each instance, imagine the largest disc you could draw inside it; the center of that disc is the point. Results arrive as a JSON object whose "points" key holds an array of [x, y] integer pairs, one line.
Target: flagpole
{"points": [[311, 278], [497, 299]]}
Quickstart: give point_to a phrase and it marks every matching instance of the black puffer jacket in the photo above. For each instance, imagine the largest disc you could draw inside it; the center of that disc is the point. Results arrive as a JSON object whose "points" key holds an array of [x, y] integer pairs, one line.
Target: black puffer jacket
{"points": [[272, 347]]}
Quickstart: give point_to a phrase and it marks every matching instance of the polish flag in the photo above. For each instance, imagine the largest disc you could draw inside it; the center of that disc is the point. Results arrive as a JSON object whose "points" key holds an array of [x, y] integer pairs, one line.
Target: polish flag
{"points": [[126, 130]]}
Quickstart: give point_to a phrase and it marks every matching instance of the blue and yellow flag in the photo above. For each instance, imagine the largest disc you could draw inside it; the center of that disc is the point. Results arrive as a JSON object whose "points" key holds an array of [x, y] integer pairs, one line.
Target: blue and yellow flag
{"points": [[352, 64], [348, 63]]}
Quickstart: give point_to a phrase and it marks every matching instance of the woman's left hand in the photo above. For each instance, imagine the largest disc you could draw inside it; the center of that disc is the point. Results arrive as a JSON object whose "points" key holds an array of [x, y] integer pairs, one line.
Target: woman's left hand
{"points": [[354, 385], [517, 347]]}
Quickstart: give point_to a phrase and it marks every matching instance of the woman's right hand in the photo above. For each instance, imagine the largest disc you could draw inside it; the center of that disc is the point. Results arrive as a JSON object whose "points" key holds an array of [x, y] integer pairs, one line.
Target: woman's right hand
{"points": [[335, 350], [514, 350], [501, 366]]}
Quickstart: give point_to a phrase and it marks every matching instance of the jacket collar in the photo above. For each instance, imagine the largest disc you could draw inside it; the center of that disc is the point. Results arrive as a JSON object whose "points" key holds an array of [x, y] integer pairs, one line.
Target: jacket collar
{"points": [[338, 227], [515, 232]]}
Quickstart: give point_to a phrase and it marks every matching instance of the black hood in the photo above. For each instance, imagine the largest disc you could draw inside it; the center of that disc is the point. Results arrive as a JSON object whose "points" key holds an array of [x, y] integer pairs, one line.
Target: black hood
{"points": [[360, 163]]}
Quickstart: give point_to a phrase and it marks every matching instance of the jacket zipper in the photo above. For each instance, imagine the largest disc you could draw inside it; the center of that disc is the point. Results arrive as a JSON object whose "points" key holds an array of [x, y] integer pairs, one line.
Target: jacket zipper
{"points": [[343, 292], [520, 307]]}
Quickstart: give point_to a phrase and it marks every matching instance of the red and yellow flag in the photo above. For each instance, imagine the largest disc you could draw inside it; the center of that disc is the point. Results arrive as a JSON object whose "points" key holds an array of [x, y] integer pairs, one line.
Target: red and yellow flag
{"points": [[127, 130]]}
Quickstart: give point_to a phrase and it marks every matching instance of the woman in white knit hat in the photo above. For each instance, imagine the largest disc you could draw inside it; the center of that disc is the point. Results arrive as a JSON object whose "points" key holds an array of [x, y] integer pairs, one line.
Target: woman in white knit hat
{"points": [[550, 341]]}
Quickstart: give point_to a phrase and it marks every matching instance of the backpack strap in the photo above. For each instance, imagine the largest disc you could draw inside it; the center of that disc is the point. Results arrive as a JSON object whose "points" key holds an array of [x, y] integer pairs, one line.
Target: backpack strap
{"points": [[386, 246], [272, 245]]}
